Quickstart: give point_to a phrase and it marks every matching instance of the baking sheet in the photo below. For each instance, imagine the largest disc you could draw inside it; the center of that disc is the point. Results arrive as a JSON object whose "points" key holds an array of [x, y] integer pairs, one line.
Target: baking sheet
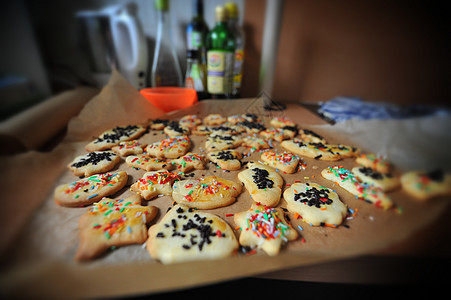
{"points": [[43, 237]]}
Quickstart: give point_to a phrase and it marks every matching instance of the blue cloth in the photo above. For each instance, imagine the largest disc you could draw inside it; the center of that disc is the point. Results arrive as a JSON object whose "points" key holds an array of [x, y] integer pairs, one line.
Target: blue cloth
{"points": [[343, 108]]}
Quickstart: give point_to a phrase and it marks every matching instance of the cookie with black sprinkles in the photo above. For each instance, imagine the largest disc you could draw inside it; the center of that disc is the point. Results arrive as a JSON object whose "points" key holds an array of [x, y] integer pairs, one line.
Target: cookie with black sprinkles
{"points": [[114, 136], [226, 159], [186, 234], [94, 163]]}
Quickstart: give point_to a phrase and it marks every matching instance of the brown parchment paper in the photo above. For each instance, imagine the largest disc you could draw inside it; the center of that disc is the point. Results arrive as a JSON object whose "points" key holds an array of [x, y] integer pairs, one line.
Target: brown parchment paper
{"points": [[39, 238]]}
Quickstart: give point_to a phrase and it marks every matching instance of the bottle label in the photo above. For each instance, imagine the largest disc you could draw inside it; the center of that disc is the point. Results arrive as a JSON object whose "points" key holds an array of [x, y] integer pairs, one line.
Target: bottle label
{"points": [[238, 70], [220, 72]]}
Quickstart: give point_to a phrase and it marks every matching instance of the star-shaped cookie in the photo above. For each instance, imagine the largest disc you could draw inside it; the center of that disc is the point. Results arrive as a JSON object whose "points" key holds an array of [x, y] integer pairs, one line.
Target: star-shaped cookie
{"points": [[285, 161], [147, 162], [156, 183], [188, 162]]}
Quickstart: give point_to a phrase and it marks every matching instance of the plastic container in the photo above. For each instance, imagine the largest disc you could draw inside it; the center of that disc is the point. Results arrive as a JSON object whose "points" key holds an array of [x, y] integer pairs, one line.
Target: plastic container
{"points": [[170, 98]]}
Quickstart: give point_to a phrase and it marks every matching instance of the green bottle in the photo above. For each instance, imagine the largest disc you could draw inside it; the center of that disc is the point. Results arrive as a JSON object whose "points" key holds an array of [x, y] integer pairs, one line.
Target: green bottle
{"points": [[220, 57]]}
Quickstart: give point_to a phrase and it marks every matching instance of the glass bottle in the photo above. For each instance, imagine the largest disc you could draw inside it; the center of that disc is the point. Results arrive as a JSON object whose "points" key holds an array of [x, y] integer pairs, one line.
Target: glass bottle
{"points": [[195, 74], [220, 55], [197, 30], [237, 30], [166, 69]]}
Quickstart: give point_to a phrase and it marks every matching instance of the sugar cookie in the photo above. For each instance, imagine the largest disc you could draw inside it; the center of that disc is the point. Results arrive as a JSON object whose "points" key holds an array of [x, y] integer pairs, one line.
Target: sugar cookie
{"points": [[426, 185], [190, 121], [90, 189], [114, 136], [386, 182], [174, 128], [376, 162], [113, 223], [216, 142], [317, 205], [280, 122], [310, 136], [264, 228], [172, 147], [94, 163], [152, 184], [127, 148], [263, 183], [214, 119], [284, 161], [206, 193], [188, 162], [185, 234], [226, 159], [147, 162]]}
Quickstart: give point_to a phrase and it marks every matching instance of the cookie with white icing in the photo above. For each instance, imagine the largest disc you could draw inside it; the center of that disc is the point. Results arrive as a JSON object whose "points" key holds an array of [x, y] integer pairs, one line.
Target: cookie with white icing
{"points": [[216, 142], [94, 163], [189, 162], [385, 181], [127, 148], [263, 183], [317, 205], [147, 162], [90, 189], [347, 180], [226, 159], [426, 185], [152, 184], [113, 223], [206, 192], [285, 161], [185, 234], [114, 136], [264, 228], [172, 147]]}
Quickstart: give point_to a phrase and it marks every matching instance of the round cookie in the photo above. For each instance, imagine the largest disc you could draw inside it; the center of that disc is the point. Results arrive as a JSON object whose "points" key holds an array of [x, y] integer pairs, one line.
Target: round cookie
{"points": [[94, 163]]}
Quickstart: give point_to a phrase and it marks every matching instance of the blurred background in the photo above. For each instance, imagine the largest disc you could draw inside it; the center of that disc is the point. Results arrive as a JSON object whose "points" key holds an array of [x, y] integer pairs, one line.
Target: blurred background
{"points": [[391, 51]]}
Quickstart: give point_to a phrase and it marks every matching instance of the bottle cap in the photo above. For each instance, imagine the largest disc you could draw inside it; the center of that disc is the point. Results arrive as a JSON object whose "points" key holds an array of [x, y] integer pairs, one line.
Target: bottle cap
{"points": [[221, 14], [232, 10], [162, 5]]}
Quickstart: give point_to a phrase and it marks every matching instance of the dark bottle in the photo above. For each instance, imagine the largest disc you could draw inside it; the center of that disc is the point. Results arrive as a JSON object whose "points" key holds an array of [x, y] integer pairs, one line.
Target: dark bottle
{"points": [[197, 30], [195, 77], [220, 57]]}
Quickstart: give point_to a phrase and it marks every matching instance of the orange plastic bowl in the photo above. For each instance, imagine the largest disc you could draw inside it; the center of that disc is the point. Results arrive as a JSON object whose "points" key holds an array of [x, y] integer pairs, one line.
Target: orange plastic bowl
{"points": [[170, 98]]}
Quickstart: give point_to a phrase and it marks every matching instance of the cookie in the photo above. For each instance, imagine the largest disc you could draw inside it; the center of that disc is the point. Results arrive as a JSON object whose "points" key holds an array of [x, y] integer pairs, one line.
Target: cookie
{"points": [[386, 182], [206, 193], [158, 124], [317, 205], [346, 179], [426, 185], [114, 136], [147, 162], [172, 147], [226, 159], [263, 183], [94, 163], [90, 189], [185, 234], [214, 119], [252, 127], [216, 142], [174, 128], [255, 142], [277, 134], [223, 129], [279, 122], [189, 162], [264, 228], [113, 223], [310, 136], [319, 150], [156, 183], [235, 119], [285, 161], [190, 121], [376, 162], [251, 117], [127, 148]]}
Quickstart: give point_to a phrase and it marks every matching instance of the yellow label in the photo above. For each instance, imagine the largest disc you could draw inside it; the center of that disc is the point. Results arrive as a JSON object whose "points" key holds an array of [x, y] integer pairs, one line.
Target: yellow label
{"points": [[220, 72]]}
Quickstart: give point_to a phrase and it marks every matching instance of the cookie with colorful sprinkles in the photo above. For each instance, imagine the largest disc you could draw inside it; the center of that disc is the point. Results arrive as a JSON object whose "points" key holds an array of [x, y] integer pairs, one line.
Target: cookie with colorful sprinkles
{"points": [[284, 161], [113, 137], [185, 234], [189, 162], [190, 121], [147, 162], [152, 184], [214, 120], [113, 223], [426, 185], [317, 205], [206, 192], [265, 228], [386, 181], [172, 147], [90, 189], [94, 163], [348, 181], [263, 183], [375, 162], [127, 148]]}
